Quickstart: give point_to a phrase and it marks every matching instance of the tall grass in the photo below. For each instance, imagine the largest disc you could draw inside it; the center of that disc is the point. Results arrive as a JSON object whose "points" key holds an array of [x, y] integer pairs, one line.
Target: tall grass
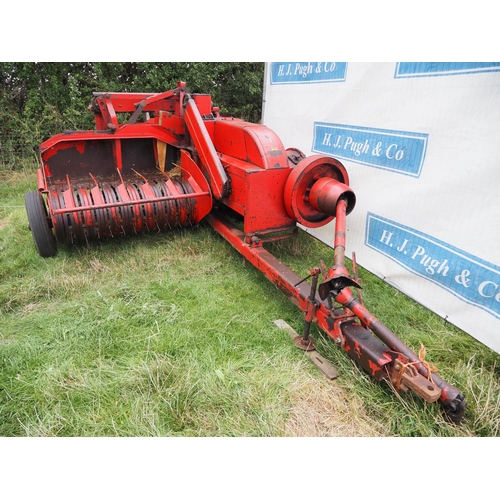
{"points": [[172, 334]]}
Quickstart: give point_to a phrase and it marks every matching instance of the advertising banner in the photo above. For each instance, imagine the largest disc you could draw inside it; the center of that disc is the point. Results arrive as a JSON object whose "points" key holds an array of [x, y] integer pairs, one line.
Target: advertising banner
{"points": [[420, 142]]}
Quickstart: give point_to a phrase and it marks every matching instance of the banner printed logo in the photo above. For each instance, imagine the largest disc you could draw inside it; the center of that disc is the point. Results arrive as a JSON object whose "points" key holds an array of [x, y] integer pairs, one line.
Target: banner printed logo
{"points": [[307, 72], [398, 151], [419, 69], [469, 278]]}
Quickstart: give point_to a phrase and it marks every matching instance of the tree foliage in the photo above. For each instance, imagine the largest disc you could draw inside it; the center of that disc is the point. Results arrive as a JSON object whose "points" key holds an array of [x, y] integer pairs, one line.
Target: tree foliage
{"points": [[40, 99]]}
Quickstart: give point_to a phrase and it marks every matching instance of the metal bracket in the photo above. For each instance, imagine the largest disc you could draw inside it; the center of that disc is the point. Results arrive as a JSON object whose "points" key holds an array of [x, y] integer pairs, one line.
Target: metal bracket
{"points": [[321, 363], [406, 377]]}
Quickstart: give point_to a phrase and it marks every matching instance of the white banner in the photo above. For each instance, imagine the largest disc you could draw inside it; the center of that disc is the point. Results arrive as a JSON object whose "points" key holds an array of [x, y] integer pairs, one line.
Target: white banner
{"points": [[421, 144]]}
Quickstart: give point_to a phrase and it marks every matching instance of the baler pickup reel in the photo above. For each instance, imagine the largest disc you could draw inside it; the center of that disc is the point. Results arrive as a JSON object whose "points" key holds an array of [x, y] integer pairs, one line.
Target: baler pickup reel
{"points": [[175, 161]]}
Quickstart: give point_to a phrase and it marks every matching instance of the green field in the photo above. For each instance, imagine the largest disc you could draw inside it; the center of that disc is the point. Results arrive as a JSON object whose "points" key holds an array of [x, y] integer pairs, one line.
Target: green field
{"points": [[173, 334]]}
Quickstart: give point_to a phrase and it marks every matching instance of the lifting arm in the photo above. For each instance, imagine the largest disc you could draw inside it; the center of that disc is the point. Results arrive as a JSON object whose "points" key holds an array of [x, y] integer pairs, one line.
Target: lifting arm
{"points": [[215, 173]]}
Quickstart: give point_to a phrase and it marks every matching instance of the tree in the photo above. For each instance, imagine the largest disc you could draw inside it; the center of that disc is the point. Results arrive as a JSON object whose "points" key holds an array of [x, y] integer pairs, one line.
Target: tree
{"points": [[40, 99]]}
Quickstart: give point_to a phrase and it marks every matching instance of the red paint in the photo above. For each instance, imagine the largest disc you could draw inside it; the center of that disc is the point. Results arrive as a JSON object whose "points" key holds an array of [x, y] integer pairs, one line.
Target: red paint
{"points": [[374, 368]]}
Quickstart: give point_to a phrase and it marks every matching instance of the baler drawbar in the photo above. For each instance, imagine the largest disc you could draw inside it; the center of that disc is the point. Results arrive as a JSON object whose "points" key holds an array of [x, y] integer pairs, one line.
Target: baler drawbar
{"points": [[174, 161]]}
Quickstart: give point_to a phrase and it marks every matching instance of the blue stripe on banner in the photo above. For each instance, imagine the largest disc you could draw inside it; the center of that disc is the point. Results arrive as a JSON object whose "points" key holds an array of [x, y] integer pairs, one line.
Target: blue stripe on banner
{"points": [[469, 278], [395, 150], [418, 69], [307, 72]]}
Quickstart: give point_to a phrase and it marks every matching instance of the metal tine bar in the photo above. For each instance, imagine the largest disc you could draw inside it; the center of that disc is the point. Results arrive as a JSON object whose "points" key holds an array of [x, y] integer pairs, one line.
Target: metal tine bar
{"points": [[132, 202], [151, 208]]}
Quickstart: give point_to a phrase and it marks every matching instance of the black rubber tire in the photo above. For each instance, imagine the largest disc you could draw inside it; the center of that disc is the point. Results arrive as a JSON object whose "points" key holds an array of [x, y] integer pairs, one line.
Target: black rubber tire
{"points": [[43, 236]]}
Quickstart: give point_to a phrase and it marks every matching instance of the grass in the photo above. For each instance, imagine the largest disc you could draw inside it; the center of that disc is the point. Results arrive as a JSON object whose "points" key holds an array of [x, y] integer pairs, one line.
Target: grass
{"points": [[172, 334]]}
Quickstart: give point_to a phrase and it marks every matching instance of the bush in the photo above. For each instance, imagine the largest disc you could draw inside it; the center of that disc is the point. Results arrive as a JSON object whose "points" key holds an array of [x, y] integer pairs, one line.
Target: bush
{"points": [[38, 100]]}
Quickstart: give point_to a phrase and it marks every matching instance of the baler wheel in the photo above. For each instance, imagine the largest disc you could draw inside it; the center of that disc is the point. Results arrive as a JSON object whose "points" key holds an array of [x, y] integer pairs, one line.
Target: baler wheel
{"points": [[39, 224]]}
